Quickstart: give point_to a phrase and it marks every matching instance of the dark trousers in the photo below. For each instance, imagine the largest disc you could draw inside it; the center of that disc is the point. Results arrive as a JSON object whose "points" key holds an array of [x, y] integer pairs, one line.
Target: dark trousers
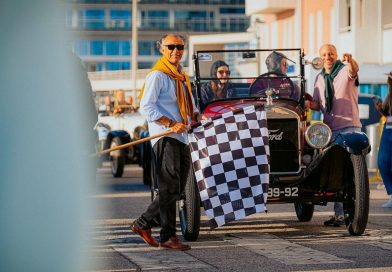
{"points": [[385, 158], [172, 169]]}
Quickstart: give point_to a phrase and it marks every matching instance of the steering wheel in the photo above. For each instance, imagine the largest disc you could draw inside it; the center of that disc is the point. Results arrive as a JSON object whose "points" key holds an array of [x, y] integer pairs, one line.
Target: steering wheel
{"points": [[282, 84]]}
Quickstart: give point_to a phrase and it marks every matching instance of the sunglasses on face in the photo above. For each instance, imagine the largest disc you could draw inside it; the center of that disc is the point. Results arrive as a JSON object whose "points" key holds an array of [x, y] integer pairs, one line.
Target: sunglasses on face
{"points": [[221, 72], [171, 47]]}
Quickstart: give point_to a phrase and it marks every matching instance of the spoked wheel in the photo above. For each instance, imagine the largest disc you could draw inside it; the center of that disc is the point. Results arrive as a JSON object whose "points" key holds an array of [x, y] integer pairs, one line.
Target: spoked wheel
{"points": [[189, 209], [304, 211], [117, 159], [356, 198]]}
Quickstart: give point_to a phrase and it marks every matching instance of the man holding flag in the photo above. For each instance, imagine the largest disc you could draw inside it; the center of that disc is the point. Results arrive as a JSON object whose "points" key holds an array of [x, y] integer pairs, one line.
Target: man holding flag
{"points": [[167, 104]]}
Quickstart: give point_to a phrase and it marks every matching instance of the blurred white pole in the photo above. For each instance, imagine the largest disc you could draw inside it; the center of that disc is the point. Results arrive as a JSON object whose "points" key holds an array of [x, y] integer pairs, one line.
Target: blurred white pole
{"points": [[134, 50], [44, 185]]}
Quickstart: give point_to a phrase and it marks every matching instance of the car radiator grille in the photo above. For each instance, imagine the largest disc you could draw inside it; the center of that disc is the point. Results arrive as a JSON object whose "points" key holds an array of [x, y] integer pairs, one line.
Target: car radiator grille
{"points": [[284, 145]]}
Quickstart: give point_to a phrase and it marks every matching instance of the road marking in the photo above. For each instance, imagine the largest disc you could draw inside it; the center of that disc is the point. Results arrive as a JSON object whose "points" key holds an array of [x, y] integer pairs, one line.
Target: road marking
{"points": [[117, 270], [383, 245], [381, 269], [158, 259], [272, 247]]}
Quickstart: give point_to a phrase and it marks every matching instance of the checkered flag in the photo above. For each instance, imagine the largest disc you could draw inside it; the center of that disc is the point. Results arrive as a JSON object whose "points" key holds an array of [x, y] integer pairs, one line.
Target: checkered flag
{"points": [[230, 155]]}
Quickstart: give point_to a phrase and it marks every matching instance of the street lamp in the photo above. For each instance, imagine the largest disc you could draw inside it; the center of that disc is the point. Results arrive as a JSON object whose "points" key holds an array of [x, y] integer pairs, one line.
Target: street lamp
{"points": [[134, 50]]}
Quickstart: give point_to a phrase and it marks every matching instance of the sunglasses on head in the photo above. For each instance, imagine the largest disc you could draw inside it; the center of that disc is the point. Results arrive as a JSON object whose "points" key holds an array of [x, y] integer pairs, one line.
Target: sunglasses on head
{"points": [[171, 47], [221, 72]]}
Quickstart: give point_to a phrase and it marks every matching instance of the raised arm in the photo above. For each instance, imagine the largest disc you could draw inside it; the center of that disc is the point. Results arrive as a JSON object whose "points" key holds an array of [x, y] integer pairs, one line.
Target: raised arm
{"points": [[352, 65]]}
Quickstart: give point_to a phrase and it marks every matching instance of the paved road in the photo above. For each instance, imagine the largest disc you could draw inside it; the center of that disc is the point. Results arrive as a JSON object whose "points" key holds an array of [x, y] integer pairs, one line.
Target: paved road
{"points": [[264, 242]]}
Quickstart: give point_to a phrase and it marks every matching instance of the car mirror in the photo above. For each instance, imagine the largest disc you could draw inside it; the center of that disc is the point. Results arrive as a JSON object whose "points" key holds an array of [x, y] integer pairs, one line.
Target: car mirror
{"points": [[317, 63]]}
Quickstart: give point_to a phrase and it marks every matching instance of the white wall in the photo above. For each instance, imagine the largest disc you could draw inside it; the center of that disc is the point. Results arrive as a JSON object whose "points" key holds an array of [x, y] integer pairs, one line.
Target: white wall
{"points": [[387, 46], [346, 43], [368, 31]]}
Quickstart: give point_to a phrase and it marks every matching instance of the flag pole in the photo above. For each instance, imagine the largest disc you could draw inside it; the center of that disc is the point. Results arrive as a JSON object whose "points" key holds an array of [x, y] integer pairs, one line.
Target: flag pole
{"points": [[134, 143]]}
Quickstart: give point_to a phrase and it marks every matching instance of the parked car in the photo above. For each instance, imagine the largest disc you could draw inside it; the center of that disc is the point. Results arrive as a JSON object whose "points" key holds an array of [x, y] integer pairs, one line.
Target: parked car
{"points": [[307, 167], [119, 123]]}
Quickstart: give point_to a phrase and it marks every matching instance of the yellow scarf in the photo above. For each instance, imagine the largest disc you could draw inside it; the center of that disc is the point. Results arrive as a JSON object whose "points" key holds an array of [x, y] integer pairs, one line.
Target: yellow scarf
{"points": [[184, 103]]}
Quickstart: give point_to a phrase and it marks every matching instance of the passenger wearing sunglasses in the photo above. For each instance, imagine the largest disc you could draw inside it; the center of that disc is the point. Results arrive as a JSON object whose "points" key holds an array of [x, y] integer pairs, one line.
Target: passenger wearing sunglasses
{"points": [[167, 103], [219, 87]]}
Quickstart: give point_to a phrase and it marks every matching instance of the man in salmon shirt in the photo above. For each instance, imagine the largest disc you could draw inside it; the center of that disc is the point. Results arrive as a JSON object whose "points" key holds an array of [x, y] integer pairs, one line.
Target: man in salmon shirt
{"points": [[336, 95]]}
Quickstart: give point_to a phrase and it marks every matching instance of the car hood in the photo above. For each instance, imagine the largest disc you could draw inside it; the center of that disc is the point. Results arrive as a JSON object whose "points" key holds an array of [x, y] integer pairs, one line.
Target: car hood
{"points": [[220, 107]]}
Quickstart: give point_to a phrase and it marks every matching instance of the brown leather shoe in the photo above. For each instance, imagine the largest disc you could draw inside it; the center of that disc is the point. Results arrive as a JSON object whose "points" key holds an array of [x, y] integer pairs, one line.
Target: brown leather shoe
{"points": [[174, 243], [145, 235]]}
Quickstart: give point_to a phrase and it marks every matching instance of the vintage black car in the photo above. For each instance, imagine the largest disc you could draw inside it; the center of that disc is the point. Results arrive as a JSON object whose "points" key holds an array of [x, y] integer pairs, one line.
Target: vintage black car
{"points": [[307, 166]]}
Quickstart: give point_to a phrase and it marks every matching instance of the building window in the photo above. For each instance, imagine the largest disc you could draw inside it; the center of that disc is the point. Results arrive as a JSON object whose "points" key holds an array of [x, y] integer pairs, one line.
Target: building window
{"points": [[112, 48], [117, 65], [145, 48], [344, 15], [375, 89], [96, 48], [192, 20], [155, 19], [92, 19], [97, 67], [120, 19], [232, 10], [125, 48]]}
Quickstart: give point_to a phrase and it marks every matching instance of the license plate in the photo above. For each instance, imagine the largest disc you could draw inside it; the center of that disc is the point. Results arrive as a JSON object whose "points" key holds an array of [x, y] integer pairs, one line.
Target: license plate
{"points": [[283, 192]]}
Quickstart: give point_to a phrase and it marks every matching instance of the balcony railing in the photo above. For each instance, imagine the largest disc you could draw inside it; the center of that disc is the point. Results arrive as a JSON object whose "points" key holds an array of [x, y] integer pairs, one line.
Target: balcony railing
{"points": [[191, 25]]}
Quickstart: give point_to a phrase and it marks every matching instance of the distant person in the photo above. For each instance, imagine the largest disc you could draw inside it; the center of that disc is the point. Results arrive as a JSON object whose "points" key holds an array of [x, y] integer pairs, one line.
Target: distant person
{"points": [[108, 105], [385, 149], [122, 103], [220, 87], [129, 102], [336, 95]]}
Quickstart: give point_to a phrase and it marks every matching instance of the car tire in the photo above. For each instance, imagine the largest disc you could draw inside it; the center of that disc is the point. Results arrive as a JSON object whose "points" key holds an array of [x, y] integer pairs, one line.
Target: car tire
{"points": [[189, 209], [304, 211], [356, 198], [117, 159]]}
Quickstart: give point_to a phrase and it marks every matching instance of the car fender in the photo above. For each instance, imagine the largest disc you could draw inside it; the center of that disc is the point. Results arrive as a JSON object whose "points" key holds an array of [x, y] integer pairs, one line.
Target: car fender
{"points": [[327, 171], [356, 143], [329, 168], [122, 134], [145, 149]]}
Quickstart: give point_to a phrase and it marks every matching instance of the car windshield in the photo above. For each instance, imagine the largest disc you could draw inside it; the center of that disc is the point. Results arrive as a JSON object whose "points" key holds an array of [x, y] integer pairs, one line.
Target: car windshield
{"points": [[228, 74]]}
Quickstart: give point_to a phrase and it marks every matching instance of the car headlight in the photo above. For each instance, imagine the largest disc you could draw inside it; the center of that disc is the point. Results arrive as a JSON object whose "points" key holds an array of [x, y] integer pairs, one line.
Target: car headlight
{"points": [[318, 135]]}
